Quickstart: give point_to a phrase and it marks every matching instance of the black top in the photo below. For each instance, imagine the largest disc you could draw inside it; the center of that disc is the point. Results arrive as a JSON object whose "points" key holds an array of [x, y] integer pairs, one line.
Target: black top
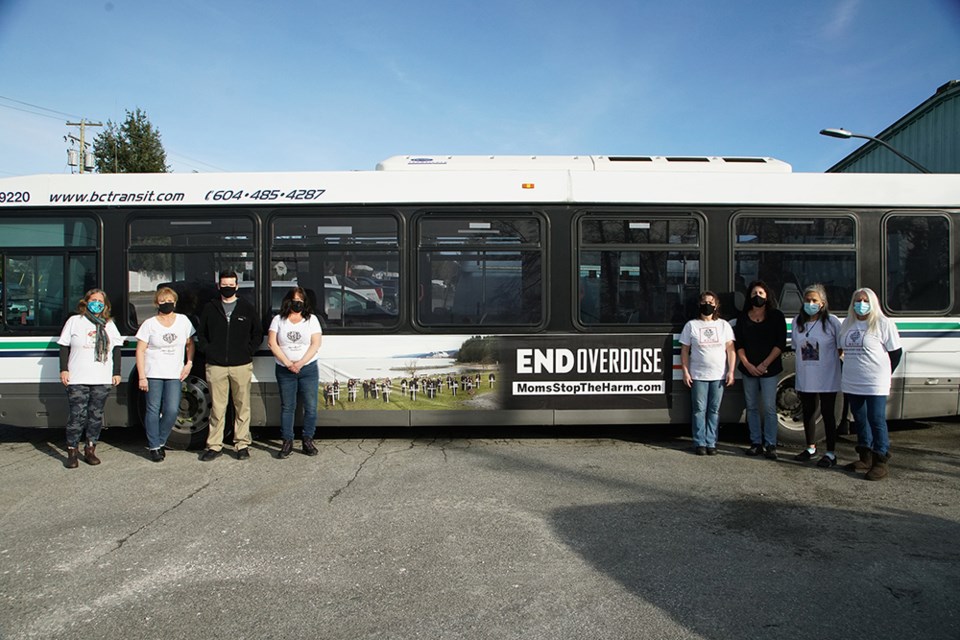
{"points": [[228, 344], [758, 339]]}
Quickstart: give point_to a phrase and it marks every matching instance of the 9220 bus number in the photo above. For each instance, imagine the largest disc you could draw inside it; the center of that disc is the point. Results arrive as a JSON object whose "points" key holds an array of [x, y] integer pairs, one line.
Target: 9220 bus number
{"points": [[14, 196], [265, 195]]}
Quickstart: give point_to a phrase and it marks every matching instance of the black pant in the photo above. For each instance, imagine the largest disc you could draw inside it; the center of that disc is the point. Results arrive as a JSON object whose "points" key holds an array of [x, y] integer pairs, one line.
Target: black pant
{"points": [[827, 403]]}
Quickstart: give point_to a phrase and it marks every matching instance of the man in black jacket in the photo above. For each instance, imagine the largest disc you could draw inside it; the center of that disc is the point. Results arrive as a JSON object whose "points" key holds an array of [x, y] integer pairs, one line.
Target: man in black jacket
{"points": [[229, 335]]}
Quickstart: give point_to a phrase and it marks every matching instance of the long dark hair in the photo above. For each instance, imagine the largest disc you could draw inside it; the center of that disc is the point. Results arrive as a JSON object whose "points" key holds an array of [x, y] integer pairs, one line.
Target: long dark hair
{"points": [[771, 303], [285, 306]]}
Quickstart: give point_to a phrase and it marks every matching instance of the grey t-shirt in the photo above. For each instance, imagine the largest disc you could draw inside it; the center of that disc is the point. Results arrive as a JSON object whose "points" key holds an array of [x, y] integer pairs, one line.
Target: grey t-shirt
{"points": [[228, 308]]}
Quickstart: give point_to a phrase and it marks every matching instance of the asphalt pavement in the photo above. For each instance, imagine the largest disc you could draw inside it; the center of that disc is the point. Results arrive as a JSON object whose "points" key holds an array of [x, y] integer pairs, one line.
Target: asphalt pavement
{"points": [[577, 533]]}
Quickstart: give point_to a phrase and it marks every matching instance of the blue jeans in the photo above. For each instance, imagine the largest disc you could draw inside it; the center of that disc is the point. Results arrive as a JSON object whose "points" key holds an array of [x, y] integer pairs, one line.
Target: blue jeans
{"points": [[757, 393], [870, 412], [306, 384], [705, 397], [163, 405]]}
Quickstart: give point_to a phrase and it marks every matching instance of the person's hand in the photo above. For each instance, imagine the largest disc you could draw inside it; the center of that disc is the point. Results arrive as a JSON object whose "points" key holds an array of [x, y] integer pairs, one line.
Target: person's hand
{"points": [[687, 379], [143, 385], [730, 378], [187, 368], [65, 377], [116, 380]]}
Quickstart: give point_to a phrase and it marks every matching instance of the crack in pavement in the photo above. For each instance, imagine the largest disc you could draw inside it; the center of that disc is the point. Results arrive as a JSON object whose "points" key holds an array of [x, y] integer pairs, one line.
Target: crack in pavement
{"points": [[370, 454], [122, 541]]}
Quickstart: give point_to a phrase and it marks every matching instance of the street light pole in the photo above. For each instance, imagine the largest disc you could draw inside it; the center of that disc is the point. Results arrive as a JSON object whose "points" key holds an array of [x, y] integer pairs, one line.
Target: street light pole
{"points": [[844, 134]]}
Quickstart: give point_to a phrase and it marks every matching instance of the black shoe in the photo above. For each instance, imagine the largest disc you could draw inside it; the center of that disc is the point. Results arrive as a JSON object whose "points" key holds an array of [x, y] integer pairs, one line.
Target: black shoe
{"points": [[701, 451], [243, 454], [803, 456], [754, 450], [210, 454], [771, 453], [711, 451], [826, 461], [156, 455], [163, 453], [285, 449], [309, 448]]}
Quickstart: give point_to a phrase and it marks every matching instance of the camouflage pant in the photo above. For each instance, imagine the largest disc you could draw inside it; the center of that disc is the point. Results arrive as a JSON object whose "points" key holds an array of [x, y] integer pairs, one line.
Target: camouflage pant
{"points": [[86, 411]]}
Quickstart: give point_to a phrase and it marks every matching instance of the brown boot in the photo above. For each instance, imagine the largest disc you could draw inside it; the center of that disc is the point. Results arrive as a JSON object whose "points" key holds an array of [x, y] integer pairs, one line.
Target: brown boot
{"points": [[72, 462], [864, 463], [879, 469], [90, 454]]}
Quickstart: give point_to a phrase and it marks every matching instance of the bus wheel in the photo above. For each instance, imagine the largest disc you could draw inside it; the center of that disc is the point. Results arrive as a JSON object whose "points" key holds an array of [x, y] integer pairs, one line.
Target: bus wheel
{"points": [[789, 413], [193, 421]]}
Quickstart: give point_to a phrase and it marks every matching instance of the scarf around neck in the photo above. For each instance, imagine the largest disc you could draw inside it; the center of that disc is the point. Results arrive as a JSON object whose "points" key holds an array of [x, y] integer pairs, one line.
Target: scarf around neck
{"points": [[101, 348]]}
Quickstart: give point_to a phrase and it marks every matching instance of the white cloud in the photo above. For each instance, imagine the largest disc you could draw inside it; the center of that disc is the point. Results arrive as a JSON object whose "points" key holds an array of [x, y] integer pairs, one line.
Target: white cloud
{"points": [[843, 16]]}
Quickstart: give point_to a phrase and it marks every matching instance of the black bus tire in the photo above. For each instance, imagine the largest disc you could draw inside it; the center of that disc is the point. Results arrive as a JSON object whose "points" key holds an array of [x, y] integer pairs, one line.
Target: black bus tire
{"points": [[193, 420], [790, 414]]}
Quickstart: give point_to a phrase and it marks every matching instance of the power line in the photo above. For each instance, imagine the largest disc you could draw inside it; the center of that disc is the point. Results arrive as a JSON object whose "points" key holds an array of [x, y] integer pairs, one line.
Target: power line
{"points": [[35, 106], [33, 113]]}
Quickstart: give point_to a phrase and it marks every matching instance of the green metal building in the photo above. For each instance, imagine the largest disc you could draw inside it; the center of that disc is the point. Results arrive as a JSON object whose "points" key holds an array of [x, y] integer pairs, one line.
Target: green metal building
{"points": [[930, 135]]}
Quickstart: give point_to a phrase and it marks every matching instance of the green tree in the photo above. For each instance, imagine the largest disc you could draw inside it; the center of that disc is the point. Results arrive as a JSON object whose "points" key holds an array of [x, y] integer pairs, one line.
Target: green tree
{"points": [[131, 147]]}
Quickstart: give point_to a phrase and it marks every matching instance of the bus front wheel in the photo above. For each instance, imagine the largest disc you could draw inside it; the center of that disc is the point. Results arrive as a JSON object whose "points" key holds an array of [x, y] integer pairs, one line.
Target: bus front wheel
{"points": [[790, 414], [193, 421]]}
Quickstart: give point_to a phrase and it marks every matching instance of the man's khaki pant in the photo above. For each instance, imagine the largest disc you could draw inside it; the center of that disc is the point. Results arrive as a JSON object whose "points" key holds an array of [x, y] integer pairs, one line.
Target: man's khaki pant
{"points": [[223, 382]]}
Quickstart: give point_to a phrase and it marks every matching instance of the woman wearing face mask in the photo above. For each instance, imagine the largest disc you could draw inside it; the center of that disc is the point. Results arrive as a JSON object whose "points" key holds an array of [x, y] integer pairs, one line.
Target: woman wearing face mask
{"points": [[708, 358], [871, 353], [814, 338], [162, 342], [294, 338], [761, 336], [89, 364]]}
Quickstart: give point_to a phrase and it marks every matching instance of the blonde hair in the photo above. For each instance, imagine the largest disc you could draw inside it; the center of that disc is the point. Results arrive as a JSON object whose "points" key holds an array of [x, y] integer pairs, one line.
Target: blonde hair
{"points": [[874, 316], [165, 291]]}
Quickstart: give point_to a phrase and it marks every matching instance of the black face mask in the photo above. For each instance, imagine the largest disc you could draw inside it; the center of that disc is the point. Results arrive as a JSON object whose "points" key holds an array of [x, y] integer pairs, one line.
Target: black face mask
{"points": [[228, 292], [757, 301], [297, 306], [166, 307], [707, 309]]}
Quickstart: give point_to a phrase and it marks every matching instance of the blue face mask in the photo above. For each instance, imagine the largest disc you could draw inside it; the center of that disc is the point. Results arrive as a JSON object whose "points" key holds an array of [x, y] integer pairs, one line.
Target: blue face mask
{"points": [[95, 306], [811, 308], [862, 308]]}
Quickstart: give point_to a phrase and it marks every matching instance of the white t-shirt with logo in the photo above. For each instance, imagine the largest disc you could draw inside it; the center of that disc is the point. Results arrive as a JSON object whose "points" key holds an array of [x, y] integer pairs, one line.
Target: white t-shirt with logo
{"points": [[81, 336], [818, 362], [163, 358], [294, 338], [707, 340], [866, 365]]}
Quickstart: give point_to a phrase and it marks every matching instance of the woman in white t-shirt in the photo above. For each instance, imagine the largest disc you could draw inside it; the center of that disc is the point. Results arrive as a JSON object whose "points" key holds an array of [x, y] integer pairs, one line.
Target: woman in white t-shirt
{"points": [[871, 352], [162, 342], [814, 339], [294, 338], [708, 358], [89, 365]]}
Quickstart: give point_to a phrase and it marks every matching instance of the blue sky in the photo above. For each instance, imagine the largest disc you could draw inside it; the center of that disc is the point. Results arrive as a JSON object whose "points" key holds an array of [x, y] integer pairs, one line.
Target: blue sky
{"points": [[317, 85]]}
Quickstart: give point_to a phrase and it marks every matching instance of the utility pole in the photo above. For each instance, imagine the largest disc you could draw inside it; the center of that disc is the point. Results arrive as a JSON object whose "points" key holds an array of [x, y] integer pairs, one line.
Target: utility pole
{"points": [[83, 124]]}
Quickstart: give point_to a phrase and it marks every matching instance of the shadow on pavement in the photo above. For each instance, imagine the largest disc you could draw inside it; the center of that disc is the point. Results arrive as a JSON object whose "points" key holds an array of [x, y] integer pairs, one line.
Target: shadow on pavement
{"points": [[748, 568]]}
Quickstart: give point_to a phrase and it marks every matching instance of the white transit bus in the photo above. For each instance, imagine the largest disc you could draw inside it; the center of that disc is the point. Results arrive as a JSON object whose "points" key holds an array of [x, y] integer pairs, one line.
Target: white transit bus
{"points": [[481, 290]]}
